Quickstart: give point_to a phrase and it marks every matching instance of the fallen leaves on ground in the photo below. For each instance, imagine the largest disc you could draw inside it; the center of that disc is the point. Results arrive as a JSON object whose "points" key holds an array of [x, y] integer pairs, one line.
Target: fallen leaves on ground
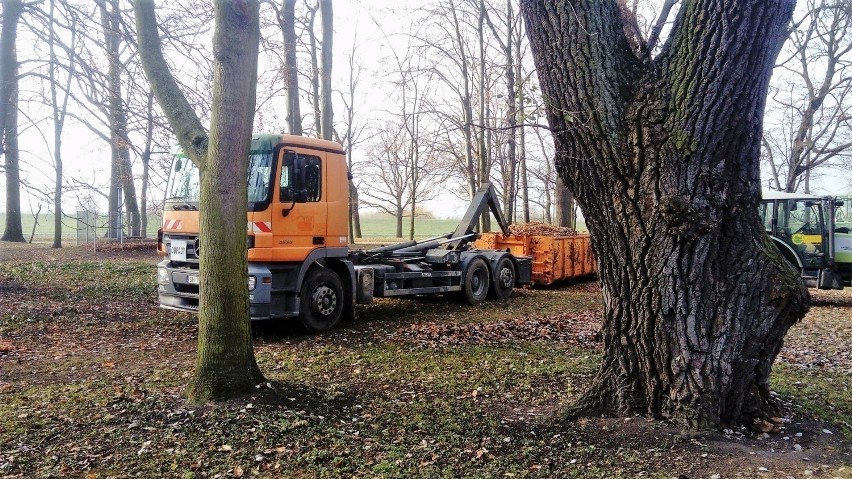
{"points": [[580, 328]]}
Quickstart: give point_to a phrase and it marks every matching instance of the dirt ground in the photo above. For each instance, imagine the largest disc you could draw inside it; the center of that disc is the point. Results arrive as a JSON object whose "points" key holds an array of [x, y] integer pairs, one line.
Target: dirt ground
{"points": [[147, 344], [130, 250]]}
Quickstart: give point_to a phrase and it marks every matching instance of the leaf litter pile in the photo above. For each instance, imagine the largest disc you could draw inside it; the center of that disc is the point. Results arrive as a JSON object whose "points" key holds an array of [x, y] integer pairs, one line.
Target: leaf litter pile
{"points": [[92, 377]]}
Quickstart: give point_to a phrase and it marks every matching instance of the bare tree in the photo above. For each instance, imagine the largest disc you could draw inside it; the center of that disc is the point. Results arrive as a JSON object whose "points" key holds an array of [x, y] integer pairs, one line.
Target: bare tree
{"points": [[814, 98], [352, 136], [60, 108], [400, 178]]}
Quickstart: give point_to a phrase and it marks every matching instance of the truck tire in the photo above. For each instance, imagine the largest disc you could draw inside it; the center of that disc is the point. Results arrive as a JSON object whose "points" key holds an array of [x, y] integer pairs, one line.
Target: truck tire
{"points": [[321, 304], [476, 282], [504, 279]]}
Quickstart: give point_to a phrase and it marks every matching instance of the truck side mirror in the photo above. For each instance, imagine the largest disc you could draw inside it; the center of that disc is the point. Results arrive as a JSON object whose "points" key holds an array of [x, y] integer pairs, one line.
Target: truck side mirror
{"points": [[298, 171]]}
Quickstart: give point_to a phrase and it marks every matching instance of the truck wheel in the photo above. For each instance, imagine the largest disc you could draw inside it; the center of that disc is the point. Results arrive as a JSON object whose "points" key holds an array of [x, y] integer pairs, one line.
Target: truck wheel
{"points": [[476, 282], [321, 304], [504, 279]]}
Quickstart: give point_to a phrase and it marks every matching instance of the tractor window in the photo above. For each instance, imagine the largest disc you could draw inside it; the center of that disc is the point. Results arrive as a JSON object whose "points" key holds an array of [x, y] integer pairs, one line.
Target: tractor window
{"points": [[766, 210], [308, 180], [806, 219]]}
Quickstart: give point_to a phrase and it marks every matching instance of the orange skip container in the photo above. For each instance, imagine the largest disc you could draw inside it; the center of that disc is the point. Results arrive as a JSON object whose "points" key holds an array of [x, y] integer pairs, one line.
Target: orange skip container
{"points": [[554, 258]]}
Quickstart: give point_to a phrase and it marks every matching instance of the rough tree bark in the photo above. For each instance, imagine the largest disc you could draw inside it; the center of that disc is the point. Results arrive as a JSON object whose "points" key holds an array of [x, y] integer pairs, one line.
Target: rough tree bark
{"points": [[12, 10], [663, 158], [225, 366]]}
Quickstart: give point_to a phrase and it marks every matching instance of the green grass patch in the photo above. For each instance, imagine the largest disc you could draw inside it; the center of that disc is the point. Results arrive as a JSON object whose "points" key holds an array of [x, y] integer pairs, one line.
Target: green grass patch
{"points": [[821, 394]]}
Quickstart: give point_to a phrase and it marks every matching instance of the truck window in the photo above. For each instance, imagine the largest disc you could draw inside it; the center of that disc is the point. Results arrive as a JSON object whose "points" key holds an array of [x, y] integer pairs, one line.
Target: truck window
{"points": [[184, 182], [259, 175], [311, 176]]}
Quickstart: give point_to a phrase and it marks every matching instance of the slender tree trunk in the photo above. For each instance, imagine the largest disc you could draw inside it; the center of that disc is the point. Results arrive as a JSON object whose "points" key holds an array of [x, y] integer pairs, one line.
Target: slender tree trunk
{"points": [[467, 107], [226, 366], [400, 214], [522, 138], [12, 10], [315, 70], [484, 161], [14, 229], [58, 122], [119, 143], [146, 165], [287, 21], [327, 17], [663, 157]]}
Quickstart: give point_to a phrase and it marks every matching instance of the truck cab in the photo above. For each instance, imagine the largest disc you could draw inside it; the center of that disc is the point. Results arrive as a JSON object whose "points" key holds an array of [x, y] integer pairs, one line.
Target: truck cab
{"points": [[296, 218]]}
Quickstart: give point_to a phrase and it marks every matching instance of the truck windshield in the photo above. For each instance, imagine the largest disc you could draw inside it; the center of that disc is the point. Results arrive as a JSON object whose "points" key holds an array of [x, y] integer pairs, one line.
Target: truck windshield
{"points": [[184, 185]]}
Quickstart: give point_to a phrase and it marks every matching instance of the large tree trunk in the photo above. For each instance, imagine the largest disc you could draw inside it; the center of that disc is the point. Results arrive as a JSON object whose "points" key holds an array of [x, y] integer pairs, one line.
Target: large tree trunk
{"points": [[9, 118], [663, 158], [226, 366]]}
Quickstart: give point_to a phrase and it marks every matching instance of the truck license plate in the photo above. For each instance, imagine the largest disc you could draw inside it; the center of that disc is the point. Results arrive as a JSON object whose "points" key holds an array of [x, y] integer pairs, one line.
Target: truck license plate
{"points": [[177, 250], [192, 278]]}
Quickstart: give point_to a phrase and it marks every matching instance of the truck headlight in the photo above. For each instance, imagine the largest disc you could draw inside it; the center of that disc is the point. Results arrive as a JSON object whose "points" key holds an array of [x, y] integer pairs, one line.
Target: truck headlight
{"points": [[252, 282], [162, 276]]}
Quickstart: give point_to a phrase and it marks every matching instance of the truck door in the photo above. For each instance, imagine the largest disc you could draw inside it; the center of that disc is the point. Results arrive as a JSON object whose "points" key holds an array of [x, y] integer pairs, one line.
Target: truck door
{"points": [[301, 208]]}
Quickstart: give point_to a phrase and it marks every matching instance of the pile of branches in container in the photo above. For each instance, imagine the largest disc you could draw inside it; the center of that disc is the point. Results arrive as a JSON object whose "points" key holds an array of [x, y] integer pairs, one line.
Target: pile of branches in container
{"points": [[537, 228]]}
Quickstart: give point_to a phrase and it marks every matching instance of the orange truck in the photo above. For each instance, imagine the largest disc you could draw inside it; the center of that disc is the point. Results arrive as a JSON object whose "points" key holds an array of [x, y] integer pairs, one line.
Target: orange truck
{"points": [[299, 261]]}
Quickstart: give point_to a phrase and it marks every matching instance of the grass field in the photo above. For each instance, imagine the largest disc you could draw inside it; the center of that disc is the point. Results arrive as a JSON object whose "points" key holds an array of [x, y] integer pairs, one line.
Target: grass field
{"points": [[374, 227]]}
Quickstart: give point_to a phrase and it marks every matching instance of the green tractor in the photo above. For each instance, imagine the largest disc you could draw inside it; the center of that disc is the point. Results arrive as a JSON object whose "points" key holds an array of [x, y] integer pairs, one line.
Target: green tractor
{"points": [[814, 233]]}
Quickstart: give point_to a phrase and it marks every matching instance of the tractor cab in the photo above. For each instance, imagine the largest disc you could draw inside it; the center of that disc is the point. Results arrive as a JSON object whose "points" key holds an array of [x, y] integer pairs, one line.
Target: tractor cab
{"points": [[802, 227]]}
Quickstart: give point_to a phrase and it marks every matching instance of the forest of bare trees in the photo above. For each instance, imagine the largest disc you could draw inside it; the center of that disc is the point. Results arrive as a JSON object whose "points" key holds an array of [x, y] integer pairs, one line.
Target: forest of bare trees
{"points": [[430, 105]]}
